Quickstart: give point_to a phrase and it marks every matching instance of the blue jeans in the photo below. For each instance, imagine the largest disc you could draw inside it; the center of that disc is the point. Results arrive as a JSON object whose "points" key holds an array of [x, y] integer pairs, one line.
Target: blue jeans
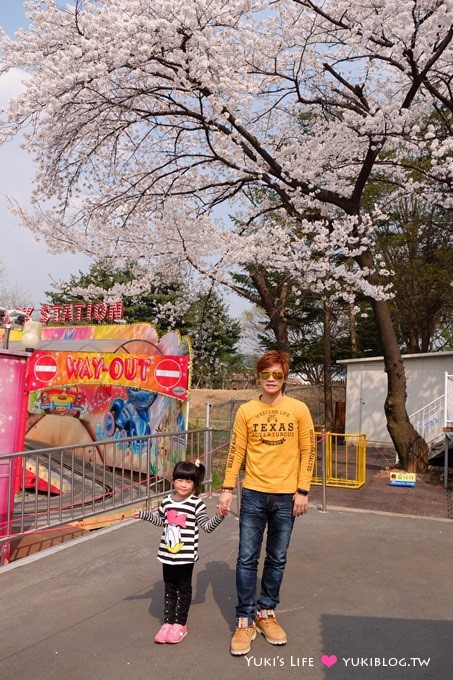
{"points": [[259, 509]]}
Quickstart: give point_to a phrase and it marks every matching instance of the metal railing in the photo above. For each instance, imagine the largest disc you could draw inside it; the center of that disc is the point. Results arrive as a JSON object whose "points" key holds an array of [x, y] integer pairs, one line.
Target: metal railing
{"points": [[341, 460], [448, 410], [429, 420], [63, 485]]}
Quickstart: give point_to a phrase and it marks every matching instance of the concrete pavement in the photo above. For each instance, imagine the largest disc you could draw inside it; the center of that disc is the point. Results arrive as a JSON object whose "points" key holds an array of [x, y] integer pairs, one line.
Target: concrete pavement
{"points": [[374, 591]]}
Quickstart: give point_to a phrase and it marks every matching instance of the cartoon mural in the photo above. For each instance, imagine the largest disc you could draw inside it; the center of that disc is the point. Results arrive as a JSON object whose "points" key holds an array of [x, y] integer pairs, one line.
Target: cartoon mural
{"points": [[95, 383]]}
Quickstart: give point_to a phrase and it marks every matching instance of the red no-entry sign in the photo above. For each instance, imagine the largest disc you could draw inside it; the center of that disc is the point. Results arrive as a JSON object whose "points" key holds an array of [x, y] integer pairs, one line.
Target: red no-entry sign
{"points": [[167, 373], [45, 368]]}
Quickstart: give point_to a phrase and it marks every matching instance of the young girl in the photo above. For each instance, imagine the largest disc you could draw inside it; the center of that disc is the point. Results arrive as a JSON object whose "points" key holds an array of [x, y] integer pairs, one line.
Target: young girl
{"points": [[180, 513]]}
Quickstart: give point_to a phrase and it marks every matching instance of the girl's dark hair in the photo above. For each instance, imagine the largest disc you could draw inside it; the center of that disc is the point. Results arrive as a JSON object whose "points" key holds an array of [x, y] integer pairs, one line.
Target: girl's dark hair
{"points": [[193, 471]]}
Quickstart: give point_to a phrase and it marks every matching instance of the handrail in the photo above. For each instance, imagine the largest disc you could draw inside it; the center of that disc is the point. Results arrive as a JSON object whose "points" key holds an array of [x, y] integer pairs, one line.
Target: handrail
{"points": [[61, 486], [64, 485], [429, 420], [431, 404]]}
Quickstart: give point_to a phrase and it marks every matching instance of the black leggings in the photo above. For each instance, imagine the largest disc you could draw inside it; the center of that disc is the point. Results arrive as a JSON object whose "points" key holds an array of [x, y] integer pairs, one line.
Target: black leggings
{"points": [[178, 592]]}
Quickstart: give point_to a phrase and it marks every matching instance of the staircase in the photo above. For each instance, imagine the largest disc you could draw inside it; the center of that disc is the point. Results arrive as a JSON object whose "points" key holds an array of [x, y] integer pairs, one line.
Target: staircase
{"points": [[437, 450], [429, 421], [434, 422]]}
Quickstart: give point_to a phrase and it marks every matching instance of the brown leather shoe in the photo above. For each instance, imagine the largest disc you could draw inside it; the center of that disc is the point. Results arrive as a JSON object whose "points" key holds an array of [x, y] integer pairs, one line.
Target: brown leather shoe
{"points": [[242, 637], [272, 631]]}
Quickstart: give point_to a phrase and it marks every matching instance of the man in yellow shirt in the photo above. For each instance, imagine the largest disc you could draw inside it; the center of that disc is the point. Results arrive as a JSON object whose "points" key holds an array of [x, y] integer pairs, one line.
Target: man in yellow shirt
{"points": [[274, 435]]}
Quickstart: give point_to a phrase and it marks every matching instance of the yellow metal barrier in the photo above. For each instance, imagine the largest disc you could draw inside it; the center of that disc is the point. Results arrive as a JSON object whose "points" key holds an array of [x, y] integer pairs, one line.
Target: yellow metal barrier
{"points": [[345, 460]]}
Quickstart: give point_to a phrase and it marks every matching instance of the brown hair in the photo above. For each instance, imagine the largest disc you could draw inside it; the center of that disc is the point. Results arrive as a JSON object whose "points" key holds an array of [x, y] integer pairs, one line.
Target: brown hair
{"points": [[271, 357]]}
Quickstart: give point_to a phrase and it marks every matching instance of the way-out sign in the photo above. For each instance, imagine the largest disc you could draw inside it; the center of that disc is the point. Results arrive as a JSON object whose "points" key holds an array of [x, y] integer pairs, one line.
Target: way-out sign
{"points": [[167, 375]]}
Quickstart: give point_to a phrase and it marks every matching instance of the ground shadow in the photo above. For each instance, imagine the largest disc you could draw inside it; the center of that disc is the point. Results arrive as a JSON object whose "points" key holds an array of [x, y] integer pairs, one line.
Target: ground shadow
{"points": [[217, 575], [221, 578], [156, 600], [367, 647]]}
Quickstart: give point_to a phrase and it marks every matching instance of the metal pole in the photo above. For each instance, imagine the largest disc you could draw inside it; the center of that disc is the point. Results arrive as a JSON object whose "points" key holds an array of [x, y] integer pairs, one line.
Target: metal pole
{"points": [[324, 475], [447, 428], [6, 332], [208, 448], [208, 458]]}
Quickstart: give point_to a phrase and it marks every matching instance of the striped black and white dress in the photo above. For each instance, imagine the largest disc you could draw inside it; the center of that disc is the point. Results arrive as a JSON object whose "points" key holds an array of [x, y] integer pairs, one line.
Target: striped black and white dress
{"points": [[181, 521]]}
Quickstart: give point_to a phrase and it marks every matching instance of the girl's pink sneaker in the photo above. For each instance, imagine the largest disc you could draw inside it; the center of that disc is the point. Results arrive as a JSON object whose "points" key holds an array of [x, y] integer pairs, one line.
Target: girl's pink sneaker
{"points": [[177, 633], [162, 634]]}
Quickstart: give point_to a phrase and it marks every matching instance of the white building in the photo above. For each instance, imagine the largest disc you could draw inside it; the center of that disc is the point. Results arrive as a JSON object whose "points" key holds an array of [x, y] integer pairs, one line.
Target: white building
{"points": [[366, 391]]}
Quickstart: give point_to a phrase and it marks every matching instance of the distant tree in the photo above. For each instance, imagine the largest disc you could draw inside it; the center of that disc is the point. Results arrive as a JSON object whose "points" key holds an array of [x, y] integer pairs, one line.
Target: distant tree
{"points": [[272, 292], [11, 297], [159, 305], [446, 332], [213, 333], [416, 241]]}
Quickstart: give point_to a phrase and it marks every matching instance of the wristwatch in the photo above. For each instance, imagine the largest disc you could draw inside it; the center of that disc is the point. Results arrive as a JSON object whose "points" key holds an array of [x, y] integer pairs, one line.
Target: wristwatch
{"points": [[303, 492]]}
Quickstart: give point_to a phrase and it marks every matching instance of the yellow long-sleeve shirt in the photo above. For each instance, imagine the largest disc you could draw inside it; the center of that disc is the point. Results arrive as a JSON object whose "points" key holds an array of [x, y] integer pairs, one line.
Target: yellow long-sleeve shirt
{"points": [[277, 442]]}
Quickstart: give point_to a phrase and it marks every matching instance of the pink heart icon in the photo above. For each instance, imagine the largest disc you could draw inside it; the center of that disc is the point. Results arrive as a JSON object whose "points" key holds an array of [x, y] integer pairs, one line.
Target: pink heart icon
{"points": [[329, 660]]}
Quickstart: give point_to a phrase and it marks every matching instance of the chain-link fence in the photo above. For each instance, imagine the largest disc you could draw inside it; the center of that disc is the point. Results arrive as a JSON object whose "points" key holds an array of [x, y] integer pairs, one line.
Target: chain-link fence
{"points": [[220, 415]]}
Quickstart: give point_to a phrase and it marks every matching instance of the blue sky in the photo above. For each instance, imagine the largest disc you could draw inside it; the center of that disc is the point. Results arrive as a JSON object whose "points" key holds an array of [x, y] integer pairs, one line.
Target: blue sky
{"points": [[12, 16], [25, 264]]}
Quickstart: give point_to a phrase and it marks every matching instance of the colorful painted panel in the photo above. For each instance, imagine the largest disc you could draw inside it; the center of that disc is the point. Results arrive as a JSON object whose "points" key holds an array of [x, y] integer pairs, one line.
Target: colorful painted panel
{"points": [[139, 386]]}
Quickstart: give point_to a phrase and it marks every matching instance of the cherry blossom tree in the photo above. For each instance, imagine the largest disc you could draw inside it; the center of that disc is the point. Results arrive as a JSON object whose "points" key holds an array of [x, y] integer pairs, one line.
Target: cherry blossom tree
{"points": [[151, 122]]}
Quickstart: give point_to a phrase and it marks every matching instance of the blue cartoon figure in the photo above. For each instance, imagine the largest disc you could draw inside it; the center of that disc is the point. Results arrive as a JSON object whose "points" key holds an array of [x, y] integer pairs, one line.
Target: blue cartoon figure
{"points": [[131, 417]]}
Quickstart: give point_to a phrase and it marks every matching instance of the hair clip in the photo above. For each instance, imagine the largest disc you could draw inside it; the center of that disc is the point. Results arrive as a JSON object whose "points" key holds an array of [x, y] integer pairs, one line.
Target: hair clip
{"points": [[197, 463]]}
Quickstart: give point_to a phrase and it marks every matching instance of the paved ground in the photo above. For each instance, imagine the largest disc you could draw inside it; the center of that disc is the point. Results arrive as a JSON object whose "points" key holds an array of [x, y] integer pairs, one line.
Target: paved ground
{"points": [[428, 498], [368, 593]]}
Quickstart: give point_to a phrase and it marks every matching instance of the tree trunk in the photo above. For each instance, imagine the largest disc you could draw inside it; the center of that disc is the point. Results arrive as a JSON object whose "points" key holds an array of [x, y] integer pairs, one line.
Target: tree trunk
{"points": [[327, 370], [275, 313], [410, 446], [352, 329]]}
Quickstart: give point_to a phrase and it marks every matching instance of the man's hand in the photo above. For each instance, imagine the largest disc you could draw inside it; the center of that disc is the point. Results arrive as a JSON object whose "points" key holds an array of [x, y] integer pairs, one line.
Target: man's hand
{"points": [[300, 505], [224, 504]]}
